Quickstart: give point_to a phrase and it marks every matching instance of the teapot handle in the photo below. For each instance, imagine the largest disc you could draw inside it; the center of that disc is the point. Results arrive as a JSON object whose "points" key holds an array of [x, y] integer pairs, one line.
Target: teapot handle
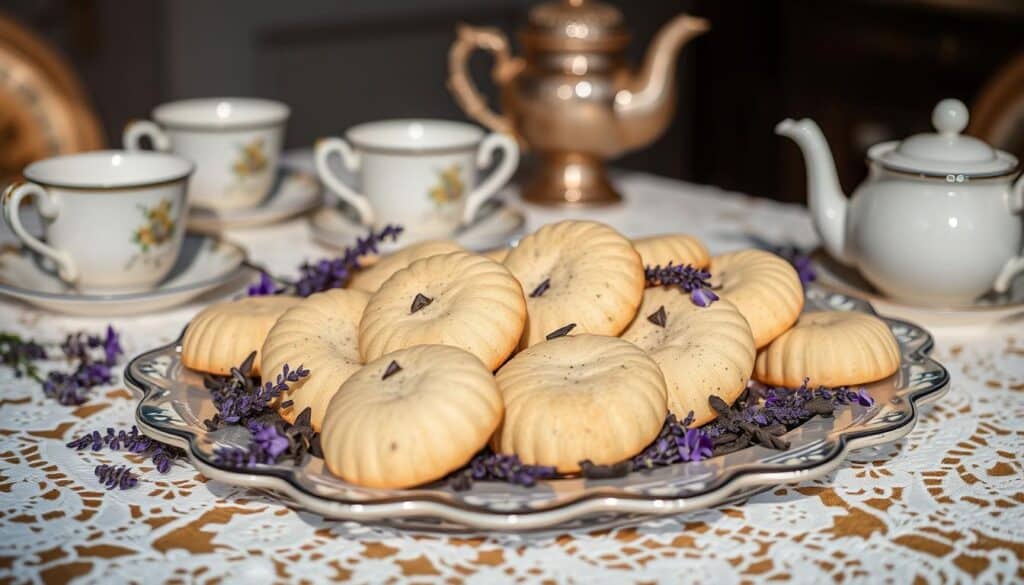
{"points": [[468, 39]]}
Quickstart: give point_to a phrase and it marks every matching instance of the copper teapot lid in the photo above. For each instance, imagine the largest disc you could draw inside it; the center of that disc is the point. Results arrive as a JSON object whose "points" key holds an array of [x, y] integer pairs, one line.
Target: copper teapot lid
{"points": [[576, 25]]}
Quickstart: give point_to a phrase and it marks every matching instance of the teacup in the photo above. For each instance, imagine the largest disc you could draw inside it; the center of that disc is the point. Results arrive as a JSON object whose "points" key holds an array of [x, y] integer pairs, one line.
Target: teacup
{"points": [[235, 143], [418, 173], [114, 219]]}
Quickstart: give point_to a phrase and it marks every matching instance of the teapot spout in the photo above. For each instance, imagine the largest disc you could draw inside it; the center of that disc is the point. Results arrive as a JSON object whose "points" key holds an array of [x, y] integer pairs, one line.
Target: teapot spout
{"points": [[644, 107], [825, 197]]}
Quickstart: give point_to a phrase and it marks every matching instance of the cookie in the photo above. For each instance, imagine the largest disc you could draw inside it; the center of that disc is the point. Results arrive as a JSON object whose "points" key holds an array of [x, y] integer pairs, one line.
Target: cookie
{"points": [[221, 336], [410, 417], [321, 333], [370, 278], [672, 249], [832, 348], [702, 351], [764, 287], [497, 254], [577, 272], [585, 397], [457, 299]]}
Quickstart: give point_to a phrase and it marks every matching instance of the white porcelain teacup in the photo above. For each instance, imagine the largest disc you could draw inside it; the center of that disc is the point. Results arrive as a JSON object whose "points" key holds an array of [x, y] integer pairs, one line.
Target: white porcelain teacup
{"points": [[235, 143], [114, 219], [419, 173]]}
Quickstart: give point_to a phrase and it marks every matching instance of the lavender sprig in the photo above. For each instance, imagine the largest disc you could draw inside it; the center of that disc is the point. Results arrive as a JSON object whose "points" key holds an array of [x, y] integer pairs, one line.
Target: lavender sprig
{"points": [[687, 278], [238, 397], [266, 286], [800, 260], [489, 466], [119, 477], [328, 273], [20, 355], [676, 443], [163, 456], [269, 443]]}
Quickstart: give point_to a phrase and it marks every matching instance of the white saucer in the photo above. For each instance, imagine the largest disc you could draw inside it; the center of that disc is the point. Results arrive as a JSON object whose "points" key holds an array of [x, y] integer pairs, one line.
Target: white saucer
{"points": [[497, 225], [205, 263], [988, 311], [295, 192]]}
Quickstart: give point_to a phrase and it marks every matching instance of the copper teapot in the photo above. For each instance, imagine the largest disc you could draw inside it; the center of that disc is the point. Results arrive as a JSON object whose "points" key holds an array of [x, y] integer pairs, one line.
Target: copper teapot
{"points": [[573, 99]]}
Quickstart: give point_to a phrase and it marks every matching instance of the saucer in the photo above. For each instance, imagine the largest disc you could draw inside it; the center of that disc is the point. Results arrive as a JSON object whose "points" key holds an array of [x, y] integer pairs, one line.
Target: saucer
{"points": [[294, 192], [205, 263], [497, 224], [989, 310]]}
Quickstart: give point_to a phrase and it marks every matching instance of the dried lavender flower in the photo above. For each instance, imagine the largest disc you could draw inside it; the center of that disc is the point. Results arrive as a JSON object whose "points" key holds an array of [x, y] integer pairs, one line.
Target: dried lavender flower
{"points": [[132, 441], [266, 285], [119, 477], [800, 261], [20, 355], [490, 466], [687, 278], [328, 273]]}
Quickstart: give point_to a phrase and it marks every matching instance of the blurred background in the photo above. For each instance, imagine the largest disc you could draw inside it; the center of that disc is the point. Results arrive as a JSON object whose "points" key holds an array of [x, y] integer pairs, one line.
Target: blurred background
{"points": [[865, 70]]}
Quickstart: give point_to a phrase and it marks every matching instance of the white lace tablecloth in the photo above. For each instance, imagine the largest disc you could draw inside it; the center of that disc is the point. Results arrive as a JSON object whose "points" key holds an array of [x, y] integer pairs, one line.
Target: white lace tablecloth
{"points": [[943, 505]]}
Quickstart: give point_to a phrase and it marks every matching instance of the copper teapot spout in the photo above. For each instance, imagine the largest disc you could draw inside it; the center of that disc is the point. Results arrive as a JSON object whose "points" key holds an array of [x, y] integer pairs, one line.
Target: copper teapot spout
{"points": [[645, 106]]}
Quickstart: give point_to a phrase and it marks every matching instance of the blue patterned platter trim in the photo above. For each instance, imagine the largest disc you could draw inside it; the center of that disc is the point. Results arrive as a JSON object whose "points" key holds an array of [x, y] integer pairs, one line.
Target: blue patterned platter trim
{"points": [[174, 403]]}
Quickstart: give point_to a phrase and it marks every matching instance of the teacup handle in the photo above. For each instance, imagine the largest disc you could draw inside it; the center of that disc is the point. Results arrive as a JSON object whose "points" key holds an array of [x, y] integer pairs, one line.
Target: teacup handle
{"points": [[49, 207], [1014, 265], [493, 143], [325, 147], [136, 130]]}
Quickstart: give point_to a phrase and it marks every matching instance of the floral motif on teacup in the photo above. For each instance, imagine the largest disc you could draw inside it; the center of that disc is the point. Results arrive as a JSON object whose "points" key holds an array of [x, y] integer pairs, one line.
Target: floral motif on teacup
{"points": [[449, 186], [157, 230], [252, 159]]}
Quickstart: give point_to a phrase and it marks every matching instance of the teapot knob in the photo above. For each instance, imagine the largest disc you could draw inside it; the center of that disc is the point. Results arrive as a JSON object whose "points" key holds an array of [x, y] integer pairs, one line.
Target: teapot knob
{"points": [[950, 116]]}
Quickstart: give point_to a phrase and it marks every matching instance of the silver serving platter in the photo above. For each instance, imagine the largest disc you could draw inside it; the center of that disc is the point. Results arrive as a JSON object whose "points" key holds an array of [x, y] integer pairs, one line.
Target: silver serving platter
{"points": [[174, 404]]}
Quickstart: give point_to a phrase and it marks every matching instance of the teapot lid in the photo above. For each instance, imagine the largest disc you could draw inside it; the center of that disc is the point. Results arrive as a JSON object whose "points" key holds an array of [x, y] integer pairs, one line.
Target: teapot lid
{"points": [[946, 152], [575, 25]]}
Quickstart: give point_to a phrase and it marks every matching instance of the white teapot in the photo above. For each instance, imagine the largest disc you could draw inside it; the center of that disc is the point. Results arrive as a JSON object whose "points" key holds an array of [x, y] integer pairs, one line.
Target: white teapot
{"points": [[938, 221]]}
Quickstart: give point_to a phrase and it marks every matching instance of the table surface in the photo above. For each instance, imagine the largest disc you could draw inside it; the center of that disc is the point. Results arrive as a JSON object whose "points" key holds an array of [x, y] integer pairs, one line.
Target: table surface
{"points": [[944, 504]]}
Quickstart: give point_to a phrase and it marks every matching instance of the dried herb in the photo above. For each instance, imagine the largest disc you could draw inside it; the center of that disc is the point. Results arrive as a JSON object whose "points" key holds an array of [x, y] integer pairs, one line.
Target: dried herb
{"points": [[659, 317], [327, 273], [674, 444], [20, 355], [239, 397], [163, 456], [560, 332], [421, 300], [541, 288], [119, 477], [273, 440], [590, 470], [687, 278], [92, 356], [762, 416], [800, 260], [392, 369], [490, 466]]}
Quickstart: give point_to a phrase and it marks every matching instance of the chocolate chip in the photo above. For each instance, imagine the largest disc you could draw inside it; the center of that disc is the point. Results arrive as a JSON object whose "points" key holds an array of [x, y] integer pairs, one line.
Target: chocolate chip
{"points": [[419, 302], [659, 317], [541, 288], [560, 332], [392, 369]]}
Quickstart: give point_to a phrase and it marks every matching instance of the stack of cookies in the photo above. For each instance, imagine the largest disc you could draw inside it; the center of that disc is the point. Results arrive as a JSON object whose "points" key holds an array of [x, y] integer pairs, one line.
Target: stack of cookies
{"points": [[556, 351]]}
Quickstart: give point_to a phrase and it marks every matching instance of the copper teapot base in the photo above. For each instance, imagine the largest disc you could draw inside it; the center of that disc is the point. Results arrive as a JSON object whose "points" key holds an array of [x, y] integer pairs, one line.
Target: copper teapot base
{"points": [[569, 178]]}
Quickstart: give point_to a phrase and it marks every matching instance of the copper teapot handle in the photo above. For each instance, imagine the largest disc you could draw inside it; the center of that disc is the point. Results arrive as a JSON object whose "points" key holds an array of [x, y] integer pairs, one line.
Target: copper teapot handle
{"points": [[469, 39]]}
